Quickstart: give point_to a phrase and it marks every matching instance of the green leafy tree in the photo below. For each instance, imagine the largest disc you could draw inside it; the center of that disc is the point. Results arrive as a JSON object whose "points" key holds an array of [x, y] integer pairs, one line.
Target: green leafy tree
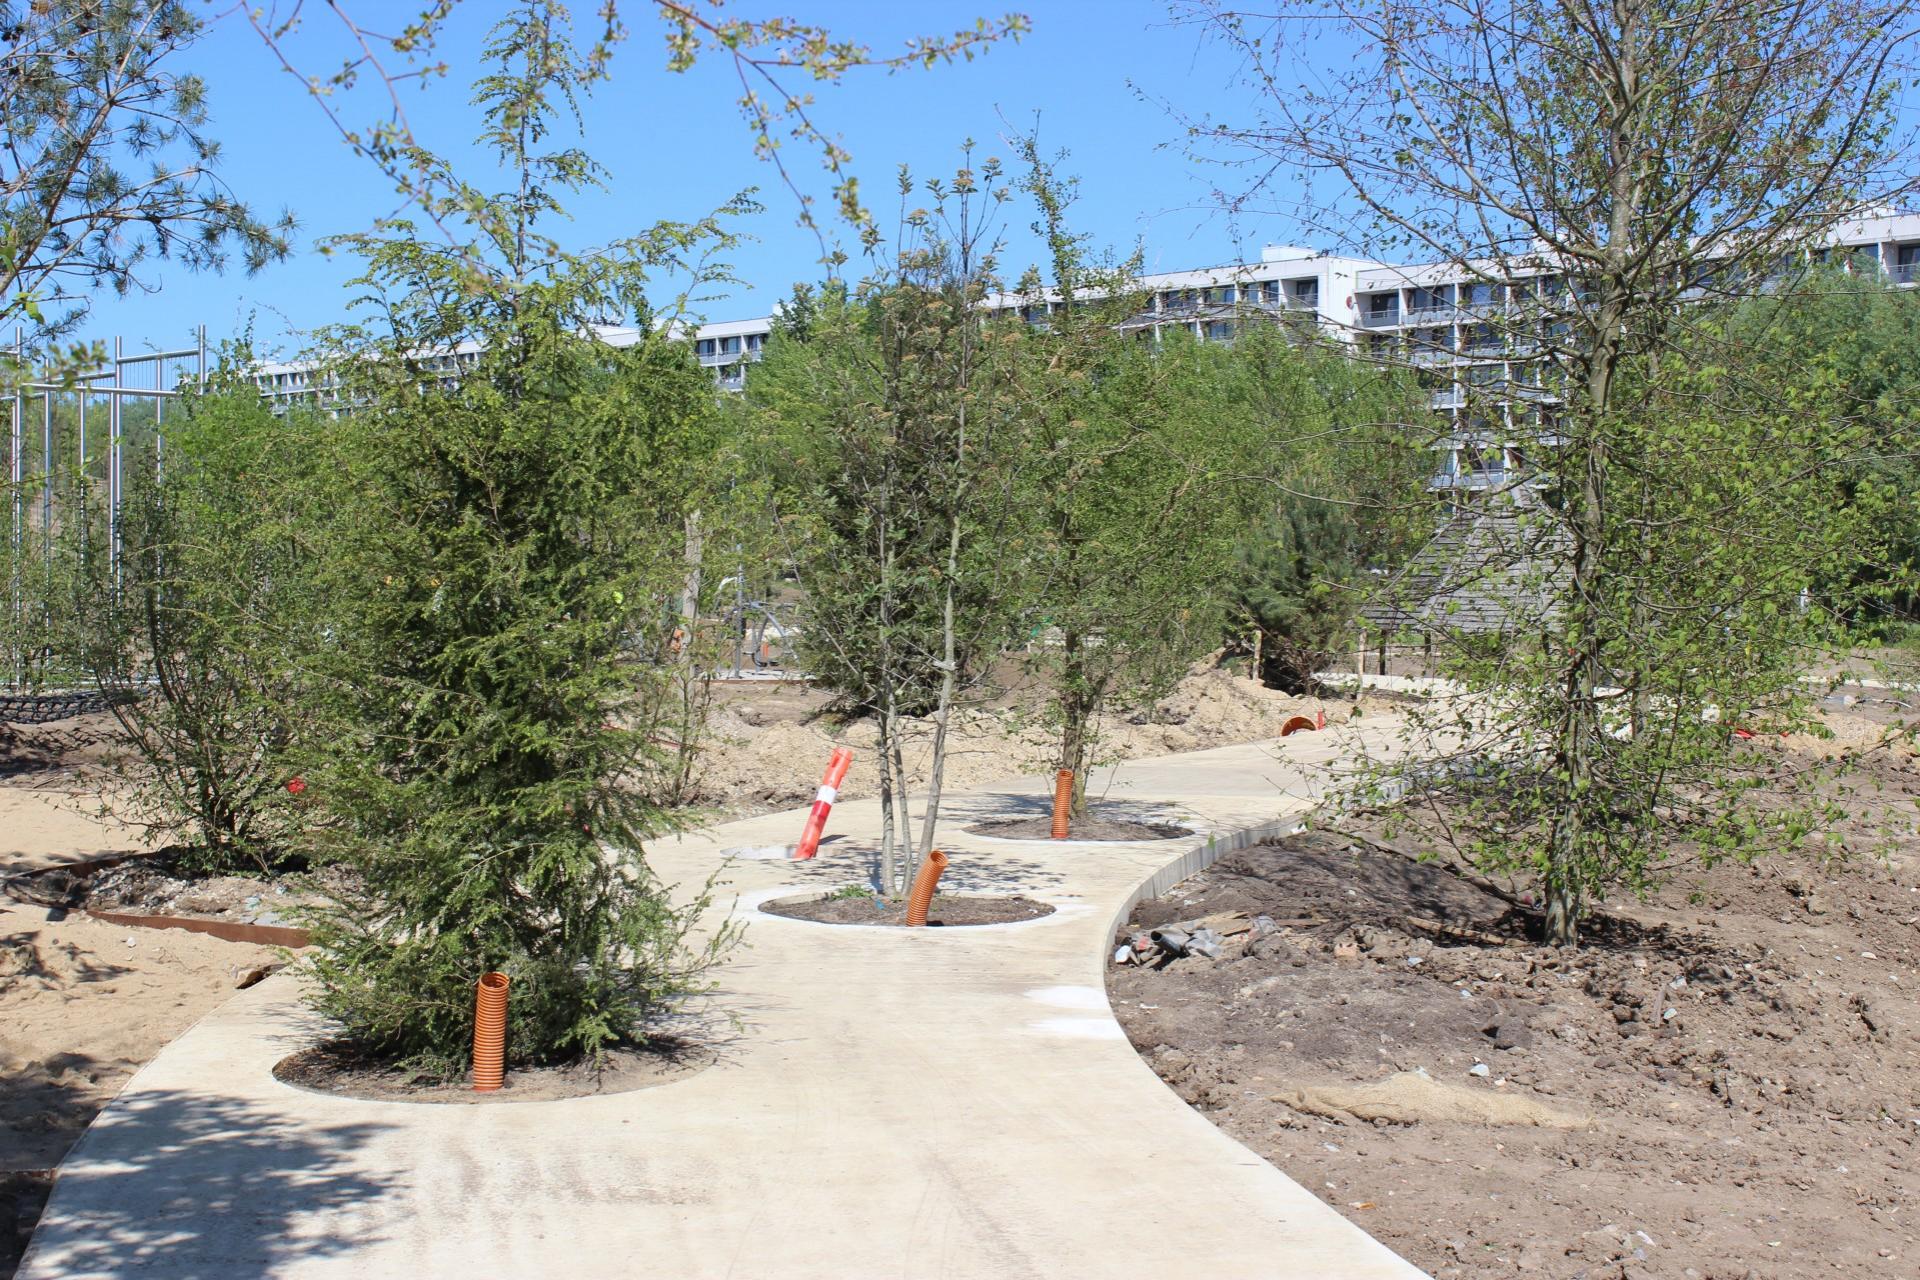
{"points": [[505, 578], [1851, 341], [1134, 481], [1294, 588], [887, 424], [199, 637], [1590, 172], [111, 165], [1334, 488]]}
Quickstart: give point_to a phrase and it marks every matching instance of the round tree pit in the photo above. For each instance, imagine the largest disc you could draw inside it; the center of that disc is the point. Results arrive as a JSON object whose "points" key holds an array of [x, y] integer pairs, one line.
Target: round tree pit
{"points": [[341, 1071], [1108, 829], [947, 909]]}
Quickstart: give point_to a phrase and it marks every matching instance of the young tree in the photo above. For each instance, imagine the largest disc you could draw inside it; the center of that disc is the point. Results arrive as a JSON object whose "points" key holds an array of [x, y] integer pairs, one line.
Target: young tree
{"points": [[1134, 481], [1334, 487], [200, 633], [888, 420], [509, 552], [1588, 171], [87, 90]]}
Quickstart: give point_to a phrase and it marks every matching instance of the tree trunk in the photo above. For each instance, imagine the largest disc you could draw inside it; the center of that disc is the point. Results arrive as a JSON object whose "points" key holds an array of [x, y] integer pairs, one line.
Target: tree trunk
{"points": [[1076, 716], [887, 835], [909, 866], [943, 711], [690, 593]]}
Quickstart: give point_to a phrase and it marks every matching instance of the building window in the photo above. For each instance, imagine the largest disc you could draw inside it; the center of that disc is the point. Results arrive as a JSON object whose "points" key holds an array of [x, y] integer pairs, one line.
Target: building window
{"points": [[703, 347], [1220, 331], [1433, 298], [1222, 294], [1479, 295], [729, 346], [1303, 293], [1270, 291], [1906, 263]]}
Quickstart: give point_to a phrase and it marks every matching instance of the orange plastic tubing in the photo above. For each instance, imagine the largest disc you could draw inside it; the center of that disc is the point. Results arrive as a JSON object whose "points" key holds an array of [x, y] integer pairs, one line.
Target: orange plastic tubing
{"points": [[1295, 725], [922, 896], [490, 1033], [1062, 802]]}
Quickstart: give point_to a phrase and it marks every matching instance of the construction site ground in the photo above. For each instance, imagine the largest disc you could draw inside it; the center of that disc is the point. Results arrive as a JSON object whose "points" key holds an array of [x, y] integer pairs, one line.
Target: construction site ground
{"points": [[84, 1003], [766, 741], [952, 1102], [1722, 1086]]}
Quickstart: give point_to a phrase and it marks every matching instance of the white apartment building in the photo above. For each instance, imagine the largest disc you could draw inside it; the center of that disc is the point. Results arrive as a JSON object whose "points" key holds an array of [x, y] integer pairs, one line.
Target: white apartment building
{"points": [[1437, 317], [724, 347], [1287, 283], [1447, 323]]}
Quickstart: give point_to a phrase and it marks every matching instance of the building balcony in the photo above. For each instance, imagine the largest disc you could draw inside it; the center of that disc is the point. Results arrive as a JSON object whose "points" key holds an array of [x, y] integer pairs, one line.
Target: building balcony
{"points": [[1380, 319], [714, 359], [1905, 273]]}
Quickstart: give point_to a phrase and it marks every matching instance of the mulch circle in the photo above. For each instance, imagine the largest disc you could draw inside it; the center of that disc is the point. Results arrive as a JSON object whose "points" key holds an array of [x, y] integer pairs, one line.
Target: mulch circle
{"points": [[946, 909], [1113, 829], [341, 1071]]}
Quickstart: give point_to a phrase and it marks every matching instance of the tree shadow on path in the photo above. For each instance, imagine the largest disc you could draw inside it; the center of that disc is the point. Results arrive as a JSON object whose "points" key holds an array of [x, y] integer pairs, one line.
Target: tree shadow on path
{"points": [[171, 1183]]}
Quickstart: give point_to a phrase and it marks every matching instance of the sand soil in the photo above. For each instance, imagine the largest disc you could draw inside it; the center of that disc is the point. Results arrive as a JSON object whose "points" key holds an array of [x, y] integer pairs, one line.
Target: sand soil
{"points": [[1722, 1086], [82, 1003], [769, 745]]}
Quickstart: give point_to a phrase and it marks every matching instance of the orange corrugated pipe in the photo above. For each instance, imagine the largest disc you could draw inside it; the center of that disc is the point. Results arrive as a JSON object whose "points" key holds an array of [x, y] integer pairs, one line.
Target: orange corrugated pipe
{"points": [[1295, 725], [922, 896], [1062, 802], [490, 1033]]}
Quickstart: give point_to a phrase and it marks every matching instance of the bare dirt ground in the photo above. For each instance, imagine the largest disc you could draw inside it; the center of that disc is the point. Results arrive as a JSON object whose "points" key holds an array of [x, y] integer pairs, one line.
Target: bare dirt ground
{"points": [[770, 746], [82, 1003], [1723, 1085]]}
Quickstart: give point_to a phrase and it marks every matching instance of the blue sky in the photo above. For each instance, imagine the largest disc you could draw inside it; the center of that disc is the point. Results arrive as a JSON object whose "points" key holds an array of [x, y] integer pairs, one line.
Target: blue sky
{"points": [[676, 147]]}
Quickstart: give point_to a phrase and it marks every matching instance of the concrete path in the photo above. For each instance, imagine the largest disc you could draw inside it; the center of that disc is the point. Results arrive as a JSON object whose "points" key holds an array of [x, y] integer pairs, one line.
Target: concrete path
{"points": [[893, 1103]]}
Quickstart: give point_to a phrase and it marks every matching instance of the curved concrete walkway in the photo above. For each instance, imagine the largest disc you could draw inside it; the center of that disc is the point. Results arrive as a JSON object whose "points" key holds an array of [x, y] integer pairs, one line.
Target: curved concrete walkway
{"points": [[937, 1103]]}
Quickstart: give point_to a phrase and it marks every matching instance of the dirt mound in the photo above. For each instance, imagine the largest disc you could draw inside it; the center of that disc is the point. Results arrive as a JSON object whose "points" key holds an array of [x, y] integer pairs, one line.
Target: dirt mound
{"points": [[1414, 1097], [768, 744]]}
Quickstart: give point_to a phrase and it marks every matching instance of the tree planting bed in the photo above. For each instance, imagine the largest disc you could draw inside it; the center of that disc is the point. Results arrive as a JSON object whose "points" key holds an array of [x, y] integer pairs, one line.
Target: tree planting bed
{"points": [[1107, 829], [340, 1070]]}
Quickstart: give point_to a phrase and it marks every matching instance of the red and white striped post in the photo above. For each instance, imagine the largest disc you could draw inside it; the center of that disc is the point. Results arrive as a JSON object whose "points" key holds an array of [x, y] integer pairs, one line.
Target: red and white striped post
{"points": [[837, 767]]}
